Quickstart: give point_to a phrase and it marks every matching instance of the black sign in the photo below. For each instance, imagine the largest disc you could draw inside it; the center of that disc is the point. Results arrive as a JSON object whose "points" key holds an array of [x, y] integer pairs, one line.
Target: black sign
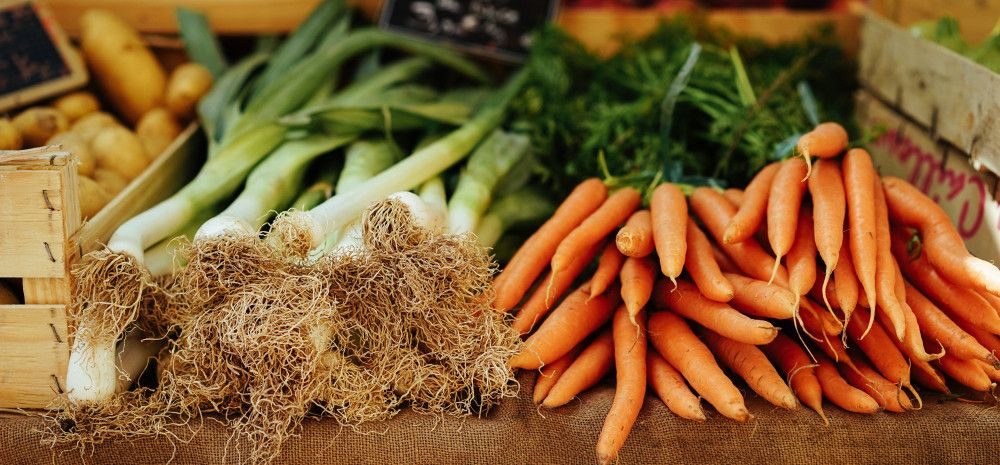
{"points": [[498, 28], [28, 55]]}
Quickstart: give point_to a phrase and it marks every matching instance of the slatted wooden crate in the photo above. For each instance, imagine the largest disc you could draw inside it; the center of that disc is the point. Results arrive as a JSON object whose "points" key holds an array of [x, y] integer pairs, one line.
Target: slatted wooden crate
{"points": [[41, 236]]}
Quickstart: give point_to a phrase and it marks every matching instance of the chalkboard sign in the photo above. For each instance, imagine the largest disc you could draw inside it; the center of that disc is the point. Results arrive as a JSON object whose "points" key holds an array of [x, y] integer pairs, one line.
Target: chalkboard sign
{"points": [[35, 59], [497, 28]]}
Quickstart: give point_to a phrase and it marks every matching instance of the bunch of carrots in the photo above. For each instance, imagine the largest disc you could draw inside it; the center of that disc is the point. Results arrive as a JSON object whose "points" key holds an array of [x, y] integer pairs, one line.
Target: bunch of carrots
{"points": [[899, 296]]}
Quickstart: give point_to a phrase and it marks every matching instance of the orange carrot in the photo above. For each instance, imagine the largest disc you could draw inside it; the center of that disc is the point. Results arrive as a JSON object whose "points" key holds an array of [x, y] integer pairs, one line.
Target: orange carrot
{"points": [[879, 348], [669, 212], [747, 219], [840, 392], [912, 344], [671, 388], [885, 268], [678, 345], [845, 282], [990, 370], [585, 371], [637, 277], [734, 196], [545, 296], [571, 322], [686, 301], [830, 297], [608, 267], [859, 184], [612, 213], [802, 256], [551, 373], [993, 300], [783, 204], [630, 385], [957, 301], [715, 212], [635, 239], [988, 340], [943, 245], [758, 298], [889, 396], [726, 264], [825, 140], [702, 267], [928, 376], [831, 326], [826, 187], [799, 369], [966, 372], [529, 261], [935, 325], [752, 365]]}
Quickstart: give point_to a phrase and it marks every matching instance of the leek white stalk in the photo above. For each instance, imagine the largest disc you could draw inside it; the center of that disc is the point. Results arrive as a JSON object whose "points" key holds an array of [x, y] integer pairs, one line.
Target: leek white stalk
{"points": [[162, 257], [133, 356], [491, 161], [422, 214], [523, 206], [414, 170], [365, 159], [433, 193]]}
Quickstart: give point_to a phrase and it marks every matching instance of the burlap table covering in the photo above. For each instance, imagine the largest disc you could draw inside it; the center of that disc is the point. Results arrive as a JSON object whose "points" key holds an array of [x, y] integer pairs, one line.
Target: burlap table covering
{"points": [[517, 433]]}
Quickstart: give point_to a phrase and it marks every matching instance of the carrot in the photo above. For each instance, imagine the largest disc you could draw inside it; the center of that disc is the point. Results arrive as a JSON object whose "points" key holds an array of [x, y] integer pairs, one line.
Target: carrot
{"points": [[988, 340], [529, 261], [752, 365], [957, 301], [585, 371], [630, 384], [966, 372], [760, 299], [859, 184], [783, 204], [678, 345], [993, 300], [671, 388], [928, 376], [715, 212], [826, 187], [942, 243], [571, 322], [845, 282], [747, 219], [637, 277], [889, 396], [991, 371], [831, 326], [734, 196], [799, 369], [545, 296], [912, 344], [802, 256], [635, 239], [840, 392], [879, 348], [830, 297], [551, 373], [935, 325], [825, 140], [686, 301], [703, 268], [726, 264], [669, 212], [885, 268], [608, 266], [612, 213]]}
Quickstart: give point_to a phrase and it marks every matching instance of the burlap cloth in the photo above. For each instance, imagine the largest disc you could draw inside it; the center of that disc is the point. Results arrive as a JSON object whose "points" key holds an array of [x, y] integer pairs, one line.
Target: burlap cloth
{"points": [[517, 433]]}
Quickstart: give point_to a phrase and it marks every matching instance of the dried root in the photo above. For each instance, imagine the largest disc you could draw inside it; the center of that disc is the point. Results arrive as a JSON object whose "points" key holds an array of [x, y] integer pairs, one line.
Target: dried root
{"points": [[110, 288]]}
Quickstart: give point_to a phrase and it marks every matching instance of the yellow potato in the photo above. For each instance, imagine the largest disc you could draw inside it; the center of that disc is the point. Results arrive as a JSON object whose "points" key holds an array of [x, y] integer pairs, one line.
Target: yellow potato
{"points": [[156, 130], [112, 182], [10, 137], [119, 150], [74, 144], [126, 70], [92, 197], [77, 104], [88, 126], [38, 124], [7, 296], [187, 84]]}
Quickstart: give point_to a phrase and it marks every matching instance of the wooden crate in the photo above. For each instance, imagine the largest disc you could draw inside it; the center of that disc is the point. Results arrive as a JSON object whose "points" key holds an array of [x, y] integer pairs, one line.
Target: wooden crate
{"points": [[957, 99], [41, 236]]}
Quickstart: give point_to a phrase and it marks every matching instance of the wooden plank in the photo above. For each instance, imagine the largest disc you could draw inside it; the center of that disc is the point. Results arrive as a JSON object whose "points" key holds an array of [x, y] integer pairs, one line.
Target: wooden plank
{"points": [[957, 99], [34, 349], [977, 17], [173, 169], [34, 157], [47, 290], [32, 231], [940, 170]]}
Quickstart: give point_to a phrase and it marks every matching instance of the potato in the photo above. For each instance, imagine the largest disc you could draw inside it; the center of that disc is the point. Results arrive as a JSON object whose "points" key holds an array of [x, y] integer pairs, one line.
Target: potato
{"points": [[119, 150], [77, 105], [156, 130], [92, 197], [7, 296], [113, 183], [10, 137], [38, 124], [187, 84], [74, 144], [88, 126], [126, 70]]}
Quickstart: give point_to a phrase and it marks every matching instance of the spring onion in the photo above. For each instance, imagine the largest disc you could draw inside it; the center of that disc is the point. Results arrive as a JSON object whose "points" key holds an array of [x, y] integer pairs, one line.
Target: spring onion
{"points": [[524, 206], [491, 161]]}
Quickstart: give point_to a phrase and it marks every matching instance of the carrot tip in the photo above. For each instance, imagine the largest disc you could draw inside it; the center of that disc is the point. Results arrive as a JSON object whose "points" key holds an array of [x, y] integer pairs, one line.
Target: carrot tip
{"points": [[774, 270], [674, 281], [809, 167]]}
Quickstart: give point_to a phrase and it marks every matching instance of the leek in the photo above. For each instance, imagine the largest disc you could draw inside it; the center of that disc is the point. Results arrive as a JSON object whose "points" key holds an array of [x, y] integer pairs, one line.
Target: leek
{"points": [[521, 207], [432, 192], [321, 189], [491, 161], [162, 257], [364, 160]]}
